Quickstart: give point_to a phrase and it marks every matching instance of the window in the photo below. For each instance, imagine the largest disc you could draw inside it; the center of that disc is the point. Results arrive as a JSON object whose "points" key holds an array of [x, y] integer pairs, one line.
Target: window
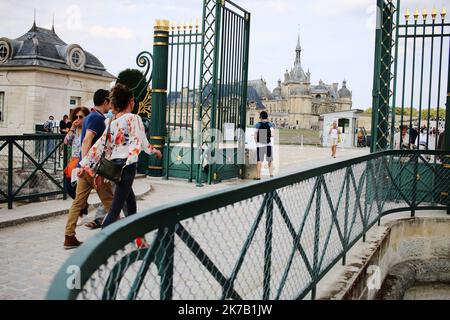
{"points": [[76, 58], [252, 121], [4, 51], [2, 106], [74, 102]]}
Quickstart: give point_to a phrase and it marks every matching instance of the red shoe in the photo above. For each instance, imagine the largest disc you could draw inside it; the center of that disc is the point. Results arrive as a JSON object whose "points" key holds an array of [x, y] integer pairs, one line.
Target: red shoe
{"points": [[141, 243]]}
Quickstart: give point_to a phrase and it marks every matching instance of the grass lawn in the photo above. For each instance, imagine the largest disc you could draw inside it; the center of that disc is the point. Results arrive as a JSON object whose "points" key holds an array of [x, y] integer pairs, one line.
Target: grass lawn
{"points": [[310, 137]]}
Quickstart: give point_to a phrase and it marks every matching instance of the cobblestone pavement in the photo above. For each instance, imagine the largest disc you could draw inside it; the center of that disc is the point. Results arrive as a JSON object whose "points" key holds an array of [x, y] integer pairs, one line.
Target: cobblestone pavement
{"points": [[31, 254]]}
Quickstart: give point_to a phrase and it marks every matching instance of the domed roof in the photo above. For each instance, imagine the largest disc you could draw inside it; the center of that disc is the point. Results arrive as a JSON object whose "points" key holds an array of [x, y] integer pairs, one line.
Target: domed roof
{"points": [[344, 92], [42, 47], [277, 91]]}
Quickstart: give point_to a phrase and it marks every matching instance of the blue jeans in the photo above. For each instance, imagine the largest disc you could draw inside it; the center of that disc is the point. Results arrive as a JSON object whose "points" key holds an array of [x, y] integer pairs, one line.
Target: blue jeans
{"points": [[123, 194]]}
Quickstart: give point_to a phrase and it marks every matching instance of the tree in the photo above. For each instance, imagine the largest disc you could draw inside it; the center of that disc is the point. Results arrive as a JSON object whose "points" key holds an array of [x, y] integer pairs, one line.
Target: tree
{"points": [[135, 80]]}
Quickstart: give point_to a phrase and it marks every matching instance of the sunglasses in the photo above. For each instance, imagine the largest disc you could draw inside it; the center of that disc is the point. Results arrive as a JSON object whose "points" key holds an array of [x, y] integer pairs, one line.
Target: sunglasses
{"points": [[79, 117]]}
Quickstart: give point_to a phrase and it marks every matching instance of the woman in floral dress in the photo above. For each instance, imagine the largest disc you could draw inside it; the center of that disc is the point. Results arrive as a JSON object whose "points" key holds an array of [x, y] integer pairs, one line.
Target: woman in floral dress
{"points": [[126, 140]]}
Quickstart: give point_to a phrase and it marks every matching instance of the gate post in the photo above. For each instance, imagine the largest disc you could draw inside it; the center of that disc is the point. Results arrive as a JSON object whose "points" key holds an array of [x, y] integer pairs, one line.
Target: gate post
{"points": [[382, 75], [447, 133], [10, 173], [447, 113], [158, 130]]}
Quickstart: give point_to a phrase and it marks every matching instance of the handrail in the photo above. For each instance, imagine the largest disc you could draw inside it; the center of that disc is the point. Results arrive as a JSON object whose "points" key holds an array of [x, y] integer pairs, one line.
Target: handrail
{"points": [[100, 247]]}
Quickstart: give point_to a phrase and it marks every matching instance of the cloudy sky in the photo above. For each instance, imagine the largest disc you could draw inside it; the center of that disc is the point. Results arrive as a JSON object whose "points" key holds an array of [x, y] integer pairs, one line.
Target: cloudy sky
{"points": [[337, 37]]}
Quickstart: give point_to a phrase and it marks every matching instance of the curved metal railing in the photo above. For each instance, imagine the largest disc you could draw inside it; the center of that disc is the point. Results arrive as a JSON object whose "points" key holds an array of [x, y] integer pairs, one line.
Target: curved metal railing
{"points": [[269, 240]]}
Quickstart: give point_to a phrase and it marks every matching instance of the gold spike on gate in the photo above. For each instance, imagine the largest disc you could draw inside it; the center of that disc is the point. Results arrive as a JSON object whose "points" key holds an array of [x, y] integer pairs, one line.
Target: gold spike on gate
{"points": [[407, 14], [416, 14], [434, 14], [196, 24], [443, 14], [425, 14]]}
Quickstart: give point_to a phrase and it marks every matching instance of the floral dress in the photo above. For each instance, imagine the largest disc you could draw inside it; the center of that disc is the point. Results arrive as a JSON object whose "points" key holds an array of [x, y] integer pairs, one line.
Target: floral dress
{"points": [[126, 140], [73, 139]]}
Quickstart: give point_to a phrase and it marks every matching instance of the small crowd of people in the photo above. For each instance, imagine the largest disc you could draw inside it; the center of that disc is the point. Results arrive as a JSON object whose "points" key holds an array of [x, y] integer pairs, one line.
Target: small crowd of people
{"points": [[109, 130], [422, 138]]}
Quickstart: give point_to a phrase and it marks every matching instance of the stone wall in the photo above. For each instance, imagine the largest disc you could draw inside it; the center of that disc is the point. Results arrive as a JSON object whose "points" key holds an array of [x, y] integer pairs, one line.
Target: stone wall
{"points": [[390, 251], [32, 95]]}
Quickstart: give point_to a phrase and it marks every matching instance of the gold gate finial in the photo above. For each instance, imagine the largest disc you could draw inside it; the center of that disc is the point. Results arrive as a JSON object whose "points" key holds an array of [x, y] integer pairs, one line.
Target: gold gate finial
{"points": [[425, 14], [162, 25], [407, 14], [434, 14], [416, 14], [443, 14]]}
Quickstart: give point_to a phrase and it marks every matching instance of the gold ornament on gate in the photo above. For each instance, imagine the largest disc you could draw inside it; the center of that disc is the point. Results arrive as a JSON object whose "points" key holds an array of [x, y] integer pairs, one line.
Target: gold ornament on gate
{"points": [[416, 14], [434, 14], [407, 14], [145, 106]]}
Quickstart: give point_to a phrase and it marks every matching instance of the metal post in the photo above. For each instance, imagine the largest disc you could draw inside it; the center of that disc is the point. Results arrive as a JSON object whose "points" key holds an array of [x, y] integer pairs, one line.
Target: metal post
{"points": [[10, 173], [158, 130], [447, 126], [165, 261], [447, 112], [268, 247], [65, 155], [215, 74], [243, 115], [376, 77]]}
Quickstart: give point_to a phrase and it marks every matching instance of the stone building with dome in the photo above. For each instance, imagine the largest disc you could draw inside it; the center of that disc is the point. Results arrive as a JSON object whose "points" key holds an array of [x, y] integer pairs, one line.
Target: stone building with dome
{"points": [[295, 102], [41, 75]]}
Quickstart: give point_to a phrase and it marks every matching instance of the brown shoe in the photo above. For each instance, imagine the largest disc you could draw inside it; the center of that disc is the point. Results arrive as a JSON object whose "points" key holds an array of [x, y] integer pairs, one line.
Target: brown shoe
{"points": [[71, 242]]}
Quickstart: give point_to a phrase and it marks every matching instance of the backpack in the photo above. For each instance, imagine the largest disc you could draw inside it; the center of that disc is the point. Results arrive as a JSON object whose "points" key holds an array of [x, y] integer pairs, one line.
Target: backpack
{"points": [[267, 133]]}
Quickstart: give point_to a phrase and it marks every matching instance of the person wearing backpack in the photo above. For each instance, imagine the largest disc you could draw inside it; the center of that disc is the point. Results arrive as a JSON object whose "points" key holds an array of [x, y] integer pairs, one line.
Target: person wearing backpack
{"points": [[264, 133]]}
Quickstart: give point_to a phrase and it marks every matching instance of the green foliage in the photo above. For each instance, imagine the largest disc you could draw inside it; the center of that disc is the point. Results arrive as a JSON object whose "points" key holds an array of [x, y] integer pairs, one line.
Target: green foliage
{"points": [[415, 112]]}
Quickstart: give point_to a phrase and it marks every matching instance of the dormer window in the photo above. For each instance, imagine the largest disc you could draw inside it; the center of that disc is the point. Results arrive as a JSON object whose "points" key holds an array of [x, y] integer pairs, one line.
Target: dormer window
{"points": [[76, 58], [4, 51]]}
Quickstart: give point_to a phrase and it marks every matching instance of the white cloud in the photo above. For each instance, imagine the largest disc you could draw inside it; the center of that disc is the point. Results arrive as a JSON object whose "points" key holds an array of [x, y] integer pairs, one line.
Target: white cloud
{"points": [[120, 33]]}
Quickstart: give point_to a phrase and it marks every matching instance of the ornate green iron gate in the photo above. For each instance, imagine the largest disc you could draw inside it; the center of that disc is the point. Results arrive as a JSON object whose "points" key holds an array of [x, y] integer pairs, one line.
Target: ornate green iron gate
{"points": [[412, 68], [411, 61], [223, 99], [199, 90]]}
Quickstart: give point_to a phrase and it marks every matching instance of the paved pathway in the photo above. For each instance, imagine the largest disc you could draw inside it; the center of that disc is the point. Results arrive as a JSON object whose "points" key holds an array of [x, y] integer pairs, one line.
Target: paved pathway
{"points": [[31, 254]]}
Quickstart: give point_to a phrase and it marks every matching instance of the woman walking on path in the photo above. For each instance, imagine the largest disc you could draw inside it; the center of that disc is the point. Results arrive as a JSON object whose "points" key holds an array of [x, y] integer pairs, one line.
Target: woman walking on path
{"points": [[73, 139], [125, 142], [334, 137]]}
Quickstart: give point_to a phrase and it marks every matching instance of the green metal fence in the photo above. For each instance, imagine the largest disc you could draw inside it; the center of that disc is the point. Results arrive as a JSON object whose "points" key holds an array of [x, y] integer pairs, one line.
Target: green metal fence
{"points": [[31, 167], [269, 240]]}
